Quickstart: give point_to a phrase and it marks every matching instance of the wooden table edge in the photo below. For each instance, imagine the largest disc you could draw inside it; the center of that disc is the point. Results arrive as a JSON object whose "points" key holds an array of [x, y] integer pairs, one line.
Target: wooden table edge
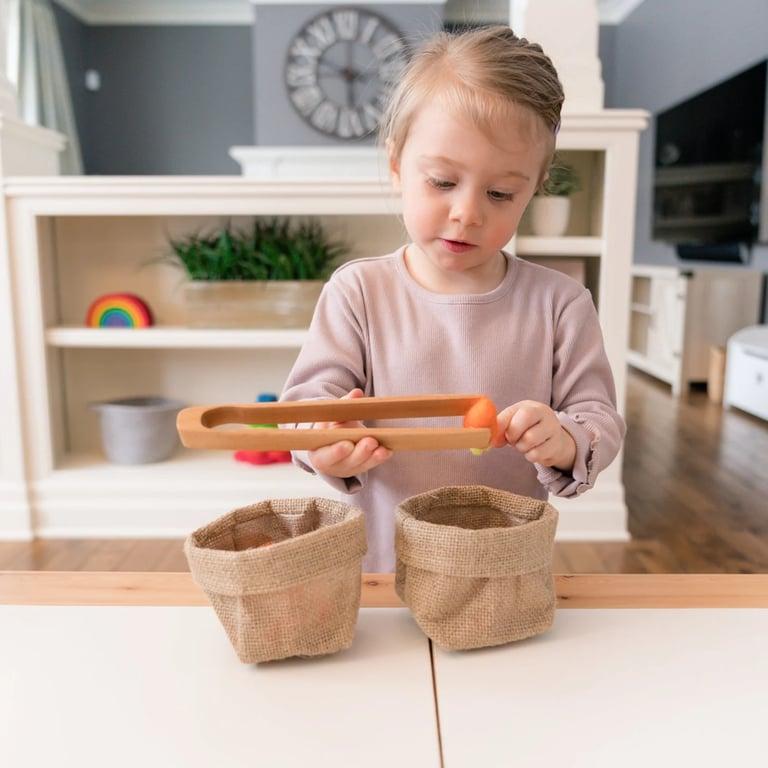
{"points": [[378, 590]]}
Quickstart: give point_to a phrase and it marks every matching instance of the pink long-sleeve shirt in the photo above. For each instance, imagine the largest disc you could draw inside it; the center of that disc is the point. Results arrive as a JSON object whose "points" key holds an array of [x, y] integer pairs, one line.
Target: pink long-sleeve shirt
{"points": [[536, 336]]}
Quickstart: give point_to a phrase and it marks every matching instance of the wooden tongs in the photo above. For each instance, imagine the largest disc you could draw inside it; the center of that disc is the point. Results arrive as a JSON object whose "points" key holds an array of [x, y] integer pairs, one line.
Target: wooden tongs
{"points": [[197, 425]]}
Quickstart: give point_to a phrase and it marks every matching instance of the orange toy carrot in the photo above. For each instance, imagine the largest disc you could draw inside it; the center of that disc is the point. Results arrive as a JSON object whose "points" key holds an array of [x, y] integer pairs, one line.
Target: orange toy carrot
{"points": [[482, 414]]}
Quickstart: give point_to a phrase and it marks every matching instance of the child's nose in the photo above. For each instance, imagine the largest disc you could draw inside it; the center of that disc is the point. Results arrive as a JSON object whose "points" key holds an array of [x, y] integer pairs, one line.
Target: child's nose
{"points": [[467, 211]]}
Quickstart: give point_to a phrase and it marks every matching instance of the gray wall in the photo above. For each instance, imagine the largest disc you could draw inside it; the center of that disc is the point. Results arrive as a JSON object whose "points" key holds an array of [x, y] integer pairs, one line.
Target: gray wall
{"points": [[666, 51], [73, 42], [172, 99]]}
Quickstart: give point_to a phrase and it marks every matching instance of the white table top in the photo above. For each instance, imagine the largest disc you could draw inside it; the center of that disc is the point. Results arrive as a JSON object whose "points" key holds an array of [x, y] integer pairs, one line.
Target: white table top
{"points": [[608, 688], [117, 686], [132, 669]]}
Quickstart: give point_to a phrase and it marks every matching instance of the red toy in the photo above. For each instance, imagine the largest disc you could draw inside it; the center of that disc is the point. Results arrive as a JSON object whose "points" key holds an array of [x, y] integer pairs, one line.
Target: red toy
{"points": [[263, 457]]}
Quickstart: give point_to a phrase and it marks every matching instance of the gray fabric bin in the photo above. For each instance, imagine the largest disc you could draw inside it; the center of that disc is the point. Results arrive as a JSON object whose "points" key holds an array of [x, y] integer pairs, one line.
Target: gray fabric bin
{"points": [[138, 430]]}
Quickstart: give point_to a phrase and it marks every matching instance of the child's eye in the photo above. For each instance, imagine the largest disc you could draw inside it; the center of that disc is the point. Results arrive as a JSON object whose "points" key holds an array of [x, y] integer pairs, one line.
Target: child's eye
{"points": [[440, 183], [496, 195]]}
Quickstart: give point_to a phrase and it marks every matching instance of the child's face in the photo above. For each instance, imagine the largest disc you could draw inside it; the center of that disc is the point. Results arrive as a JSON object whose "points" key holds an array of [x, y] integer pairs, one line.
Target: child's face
{"points": [[460, 185]]}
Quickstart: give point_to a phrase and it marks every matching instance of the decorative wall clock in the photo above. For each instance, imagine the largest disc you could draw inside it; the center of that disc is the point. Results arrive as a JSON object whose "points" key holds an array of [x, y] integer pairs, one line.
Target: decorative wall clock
{"points": [[339, 70]]}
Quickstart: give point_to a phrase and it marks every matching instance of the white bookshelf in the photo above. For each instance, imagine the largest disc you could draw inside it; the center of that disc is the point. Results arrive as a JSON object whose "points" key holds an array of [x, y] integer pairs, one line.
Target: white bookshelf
{"points": [[24, 149], [71, 239], [672, 325], [174, 338], [86, 496], [561, 247]]}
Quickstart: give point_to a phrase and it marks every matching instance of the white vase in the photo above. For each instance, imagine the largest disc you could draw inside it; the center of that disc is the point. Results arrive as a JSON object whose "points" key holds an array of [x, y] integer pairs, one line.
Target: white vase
{"points": [[549, 215]]}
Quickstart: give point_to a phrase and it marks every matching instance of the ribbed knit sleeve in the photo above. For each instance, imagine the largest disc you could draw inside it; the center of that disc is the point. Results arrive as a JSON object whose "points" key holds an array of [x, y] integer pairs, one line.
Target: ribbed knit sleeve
{"points": [[584, 397], [332, 362]]}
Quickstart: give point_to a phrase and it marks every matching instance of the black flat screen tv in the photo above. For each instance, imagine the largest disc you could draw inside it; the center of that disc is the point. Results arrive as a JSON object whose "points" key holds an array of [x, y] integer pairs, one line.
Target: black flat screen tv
{"points": [[711, 170]]}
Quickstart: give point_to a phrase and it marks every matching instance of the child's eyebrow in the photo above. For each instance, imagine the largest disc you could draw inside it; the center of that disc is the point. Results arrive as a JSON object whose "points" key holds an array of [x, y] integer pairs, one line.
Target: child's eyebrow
{"points": [[442, 159]]}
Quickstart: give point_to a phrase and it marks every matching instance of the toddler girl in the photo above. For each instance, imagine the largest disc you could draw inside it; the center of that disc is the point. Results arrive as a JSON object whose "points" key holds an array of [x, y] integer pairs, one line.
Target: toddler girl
{"points": [[470, 135]]}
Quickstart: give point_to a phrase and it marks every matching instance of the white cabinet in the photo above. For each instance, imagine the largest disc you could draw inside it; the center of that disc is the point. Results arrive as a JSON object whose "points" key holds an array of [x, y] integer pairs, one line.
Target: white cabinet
{"points": [[74, 238], [677, 314], [746, 374]]}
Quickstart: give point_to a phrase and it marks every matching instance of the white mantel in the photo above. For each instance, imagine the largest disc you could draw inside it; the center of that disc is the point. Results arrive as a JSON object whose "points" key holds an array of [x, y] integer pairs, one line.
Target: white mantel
{"points": [[370, 164], [312, 163]]}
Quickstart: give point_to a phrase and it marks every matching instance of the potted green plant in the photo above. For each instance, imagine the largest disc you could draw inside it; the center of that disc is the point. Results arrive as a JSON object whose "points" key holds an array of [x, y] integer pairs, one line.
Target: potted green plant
{"points": [[551, 206], [268, 277]]}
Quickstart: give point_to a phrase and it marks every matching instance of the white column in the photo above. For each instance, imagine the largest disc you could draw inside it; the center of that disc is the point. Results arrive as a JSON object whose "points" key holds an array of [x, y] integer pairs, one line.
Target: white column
{"points": [[15, 517], [8, 100], [568, 31]]}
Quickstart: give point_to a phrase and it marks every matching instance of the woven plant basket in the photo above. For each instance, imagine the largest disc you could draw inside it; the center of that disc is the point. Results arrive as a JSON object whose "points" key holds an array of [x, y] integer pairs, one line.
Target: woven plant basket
{"points": [[283, 575], [474, 565]]}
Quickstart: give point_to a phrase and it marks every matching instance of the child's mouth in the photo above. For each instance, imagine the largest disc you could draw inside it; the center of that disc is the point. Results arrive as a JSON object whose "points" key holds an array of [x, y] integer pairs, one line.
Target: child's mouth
{"points": [[456, 246]]}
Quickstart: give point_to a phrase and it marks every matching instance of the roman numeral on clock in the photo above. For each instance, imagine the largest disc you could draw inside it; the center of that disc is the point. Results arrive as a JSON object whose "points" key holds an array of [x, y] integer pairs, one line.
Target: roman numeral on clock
{"points": [[306, 99], [346, 24], [301, 48], [297, 75], [350, 123], [368, 30], [323, 31], [325, 116]]}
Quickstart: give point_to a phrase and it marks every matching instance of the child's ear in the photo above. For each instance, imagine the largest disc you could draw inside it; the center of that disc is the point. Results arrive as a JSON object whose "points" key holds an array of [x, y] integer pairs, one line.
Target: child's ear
{"points": [[394, 165]]}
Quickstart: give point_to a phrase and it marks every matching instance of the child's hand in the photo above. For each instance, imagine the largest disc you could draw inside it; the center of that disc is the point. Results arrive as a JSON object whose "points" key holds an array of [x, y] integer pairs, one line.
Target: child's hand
{"points": [[345, 458], [534, 430]]}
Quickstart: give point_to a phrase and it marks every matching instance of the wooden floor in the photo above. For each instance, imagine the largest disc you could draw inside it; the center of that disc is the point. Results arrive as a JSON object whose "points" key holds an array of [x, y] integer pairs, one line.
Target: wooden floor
{"points": [[696, 480]]}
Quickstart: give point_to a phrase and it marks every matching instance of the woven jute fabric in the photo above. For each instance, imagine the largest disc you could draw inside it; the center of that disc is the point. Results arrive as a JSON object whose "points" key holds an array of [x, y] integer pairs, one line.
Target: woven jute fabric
{"points": [[474, 565], [300, 595]]}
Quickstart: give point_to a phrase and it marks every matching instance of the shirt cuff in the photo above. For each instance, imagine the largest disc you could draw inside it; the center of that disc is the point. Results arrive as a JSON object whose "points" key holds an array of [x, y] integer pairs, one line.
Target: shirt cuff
{"points": [[582, 475]]}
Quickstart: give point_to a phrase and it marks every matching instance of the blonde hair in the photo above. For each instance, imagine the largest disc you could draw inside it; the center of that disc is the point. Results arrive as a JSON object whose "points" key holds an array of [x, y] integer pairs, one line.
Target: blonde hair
{"points": [[486, 74]]}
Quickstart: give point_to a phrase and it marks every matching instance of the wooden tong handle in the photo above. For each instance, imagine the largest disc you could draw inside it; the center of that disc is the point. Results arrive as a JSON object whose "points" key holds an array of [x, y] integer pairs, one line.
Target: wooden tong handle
{"points": [[196, 424]]}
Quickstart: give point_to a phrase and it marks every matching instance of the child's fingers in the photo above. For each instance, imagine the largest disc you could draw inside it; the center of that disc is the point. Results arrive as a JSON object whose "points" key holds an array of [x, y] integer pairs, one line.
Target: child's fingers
{"points": [[515, 420], [502, 423], [542, 453], [345, 458], [327, 458], [366, 454], [534, 437], [377, 456], [500, 439]]}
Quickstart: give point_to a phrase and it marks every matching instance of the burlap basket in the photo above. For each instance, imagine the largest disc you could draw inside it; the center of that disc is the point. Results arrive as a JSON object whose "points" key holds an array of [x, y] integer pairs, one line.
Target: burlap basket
{"points": [[298, 596], [474, 565]]}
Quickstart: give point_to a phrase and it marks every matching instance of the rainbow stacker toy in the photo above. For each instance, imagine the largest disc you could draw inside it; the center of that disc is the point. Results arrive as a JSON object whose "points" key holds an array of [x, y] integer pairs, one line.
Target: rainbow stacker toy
{"points": [[118, 310]]}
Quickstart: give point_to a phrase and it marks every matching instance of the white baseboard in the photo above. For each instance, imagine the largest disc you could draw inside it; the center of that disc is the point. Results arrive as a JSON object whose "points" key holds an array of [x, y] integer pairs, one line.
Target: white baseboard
{"points": [[123, 512], [15, 518], [598, 515]]}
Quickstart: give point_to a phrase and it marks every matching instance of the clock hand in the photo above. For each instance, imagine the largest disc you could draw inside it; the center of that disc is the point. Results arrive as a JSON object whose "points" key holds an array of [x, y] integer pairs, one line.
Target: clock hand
{"points": [[365, 74], [333, 67], [351, 75]]}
